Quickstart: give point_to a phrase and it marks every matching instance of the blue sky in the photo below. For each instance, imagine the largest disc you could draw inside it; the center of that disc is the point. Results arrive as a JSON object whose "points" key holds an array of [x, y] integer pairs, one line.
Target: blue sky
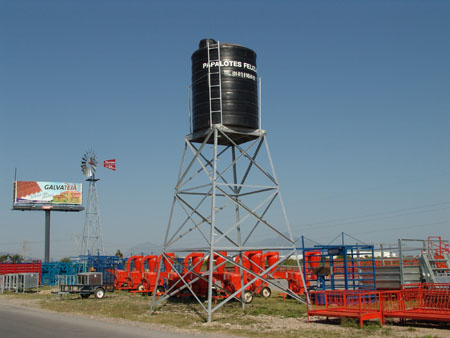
{"points": [[355, 102]]}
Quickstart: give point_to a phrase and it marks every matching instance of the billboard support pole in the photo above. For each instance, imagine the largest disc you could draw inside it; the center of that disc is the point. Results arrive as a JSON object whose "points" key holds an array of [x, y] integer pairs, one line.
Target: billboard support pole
{"points": [[47, 236]]}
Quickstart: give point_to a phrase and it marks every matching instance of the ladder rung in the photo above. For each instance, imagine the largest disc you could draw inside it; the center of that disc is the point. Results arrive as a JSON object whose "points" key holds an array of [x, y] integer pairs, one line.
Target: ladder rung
{"points": [[216, 111]]}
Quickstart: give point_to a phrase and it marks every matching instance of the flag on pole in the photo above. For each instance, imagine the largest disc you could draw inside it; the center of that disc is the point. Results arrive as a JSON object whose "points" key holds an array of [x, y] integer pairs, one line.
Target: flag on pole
{"points": [[110, 164]]}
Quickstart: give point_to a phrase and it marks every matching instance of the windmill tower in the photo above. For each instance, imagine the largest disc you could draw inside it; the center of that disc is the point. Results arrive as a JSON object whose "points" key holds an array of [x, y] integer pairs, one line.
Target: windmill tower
{"points": [[92, 238]]}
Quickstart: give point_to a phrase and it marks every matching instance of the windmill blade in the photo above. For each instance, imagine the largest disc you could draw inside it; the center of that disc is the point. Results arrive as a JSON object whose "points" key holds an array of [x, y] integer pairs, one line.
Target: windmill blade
{"points": [[86, 170], [88, 164], [93, 161]]}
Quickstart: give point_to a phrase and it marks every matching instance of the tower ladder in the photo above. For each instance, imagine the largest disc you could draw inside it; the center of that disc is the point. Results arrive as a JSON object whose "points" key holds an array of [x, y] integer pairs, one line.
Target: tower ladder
{"points": [[214, 81]]}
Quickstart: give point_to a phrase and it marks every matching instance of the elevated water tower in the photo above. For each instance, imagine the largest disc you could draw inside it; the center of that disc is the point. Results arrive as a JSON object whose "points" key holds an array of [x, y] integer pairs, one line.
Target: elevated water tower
{"points": [[227, 199]]}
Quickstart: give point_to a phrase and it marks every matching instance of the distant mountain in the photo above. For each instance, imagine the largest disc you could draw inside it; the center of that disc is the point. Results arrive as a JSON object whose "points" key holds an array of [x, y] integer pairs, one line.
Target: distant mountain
{"points": [[148, 248], [145, 248], [271, 242]]}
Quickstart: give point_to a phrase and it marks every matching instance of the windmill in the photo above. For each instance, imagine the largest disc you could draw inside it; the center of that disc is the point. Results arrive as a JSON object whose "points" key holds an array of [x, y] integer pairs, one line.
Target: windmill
{"points": [[89, 164], [92, 238]]}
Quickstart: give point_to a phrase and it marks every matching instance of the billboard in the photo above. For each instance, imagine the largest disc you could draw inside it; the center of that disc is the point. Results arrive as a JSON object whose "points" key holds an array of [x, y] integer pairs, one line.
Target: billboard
{"points": [[31, 192]]}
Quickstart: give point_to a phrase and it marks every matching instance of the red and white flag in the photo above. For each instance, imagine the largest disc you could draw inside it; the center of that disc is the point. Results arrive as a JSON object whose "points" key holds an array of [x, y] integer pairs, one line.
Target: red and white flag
{"points": [[110, 164]]}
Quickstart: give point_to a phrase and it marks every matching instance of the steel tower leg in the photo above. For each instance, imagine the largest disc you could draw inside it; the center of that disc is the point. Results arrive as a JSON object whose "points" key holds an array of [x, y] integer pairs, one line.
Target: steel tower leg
{"points": [[238, 228], [213, 224]]}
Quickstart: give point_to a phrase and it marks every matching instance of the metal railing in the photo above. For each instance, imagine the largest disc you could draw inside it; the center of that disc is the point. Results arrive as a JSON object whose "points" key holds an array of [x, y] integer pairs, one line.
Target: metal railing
{"points": [[19, 282]]}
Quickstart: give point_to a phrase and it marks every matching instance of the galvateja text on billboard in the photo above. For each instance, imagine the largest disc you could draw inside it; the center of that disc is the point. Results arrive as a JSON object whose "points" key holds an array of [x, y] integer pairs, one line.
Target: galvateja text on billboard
{"points": [[72, 187]]}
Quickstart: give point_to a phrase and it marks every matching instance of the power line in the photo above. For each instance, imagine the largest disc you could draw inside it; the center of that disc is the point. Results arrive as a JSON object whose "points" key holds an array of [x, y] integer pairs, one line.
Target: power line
{"points": [[379, 213], [378, 230], [370, 216], [20, 243], [404, 227], [378, 187]]}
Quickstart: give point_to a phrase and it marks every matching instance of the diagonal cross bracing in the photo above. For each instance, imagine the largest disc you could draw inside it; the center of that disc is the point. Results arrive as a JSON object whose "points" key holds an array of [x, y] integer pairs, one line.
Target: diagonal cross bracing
{"points": [[201, 184]]}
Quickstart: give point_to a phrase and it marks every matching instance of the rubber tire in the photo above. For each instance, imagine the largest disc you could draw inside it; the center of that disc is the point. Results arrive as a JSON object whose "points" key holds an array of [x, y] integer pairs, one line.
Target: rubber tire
{"points": [[186, 295], [140, 287], [99, 293], [248, 297], [266, 292], [84, 296], [160, 289], [129, 283]]}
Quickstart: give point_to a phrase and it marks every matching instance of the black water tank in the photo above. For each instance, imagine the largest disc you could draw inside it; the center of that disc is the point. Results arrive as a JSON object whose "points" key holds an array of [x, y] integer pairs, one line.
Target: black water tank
{"points": [[238, 84]]}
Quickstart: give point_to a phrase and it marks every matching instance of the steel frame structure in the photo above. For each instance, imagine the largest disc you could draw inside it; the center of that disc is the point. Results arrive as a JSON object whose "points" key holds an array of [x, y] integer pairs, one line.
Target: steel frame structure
{"points": [[225, 235], [352, 265], [92, 240]]}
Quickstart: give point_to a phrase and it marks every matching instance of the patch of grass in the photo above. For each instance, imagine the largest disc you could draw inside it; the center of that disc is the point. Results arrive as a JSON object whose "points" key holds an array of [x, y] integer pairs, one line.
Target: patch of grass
{"points": [[369, 327], [386, 331], [349, 322], [289, 308], [316, 334], [372, 327], [44, 292]]}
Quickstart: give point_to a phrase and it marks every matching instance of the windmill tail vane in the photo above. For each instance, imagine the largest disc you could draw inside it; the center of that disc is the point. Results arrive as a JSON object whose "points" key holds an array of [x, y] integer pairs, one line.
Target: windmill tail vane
{"points": [[110, 164]]}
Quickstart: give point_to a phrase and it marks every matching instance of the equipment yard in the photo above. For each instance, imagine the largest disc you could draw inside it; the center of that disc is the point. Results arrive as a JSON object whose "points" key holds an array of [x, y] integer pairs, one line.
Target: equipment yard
{"points": [[263, 318], [201, 242]]}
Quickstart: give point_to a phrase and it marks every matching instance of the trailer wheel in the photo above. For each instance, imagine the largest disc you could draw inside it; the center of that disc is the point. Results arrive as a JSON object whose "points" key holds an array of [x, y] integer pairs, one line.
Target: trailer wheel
{"points": [[266, 292], [141, 287], [84, 296], [99, 293], [248, 297], [129, 283], [160, 289]]}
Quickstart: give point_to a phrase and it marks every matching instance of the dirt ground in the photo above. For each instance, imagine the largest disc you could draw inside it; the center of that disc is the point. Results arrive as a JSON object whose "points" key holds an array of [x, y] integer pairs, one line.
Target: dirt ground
{"points": [[269, 326]]}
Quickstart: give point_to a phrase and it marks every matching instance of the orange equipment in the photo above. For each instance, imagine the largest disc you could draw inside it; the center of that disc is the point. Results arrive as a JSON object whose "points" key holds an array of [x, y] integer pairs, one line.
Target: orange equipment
{"points": [[130, 278]]}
